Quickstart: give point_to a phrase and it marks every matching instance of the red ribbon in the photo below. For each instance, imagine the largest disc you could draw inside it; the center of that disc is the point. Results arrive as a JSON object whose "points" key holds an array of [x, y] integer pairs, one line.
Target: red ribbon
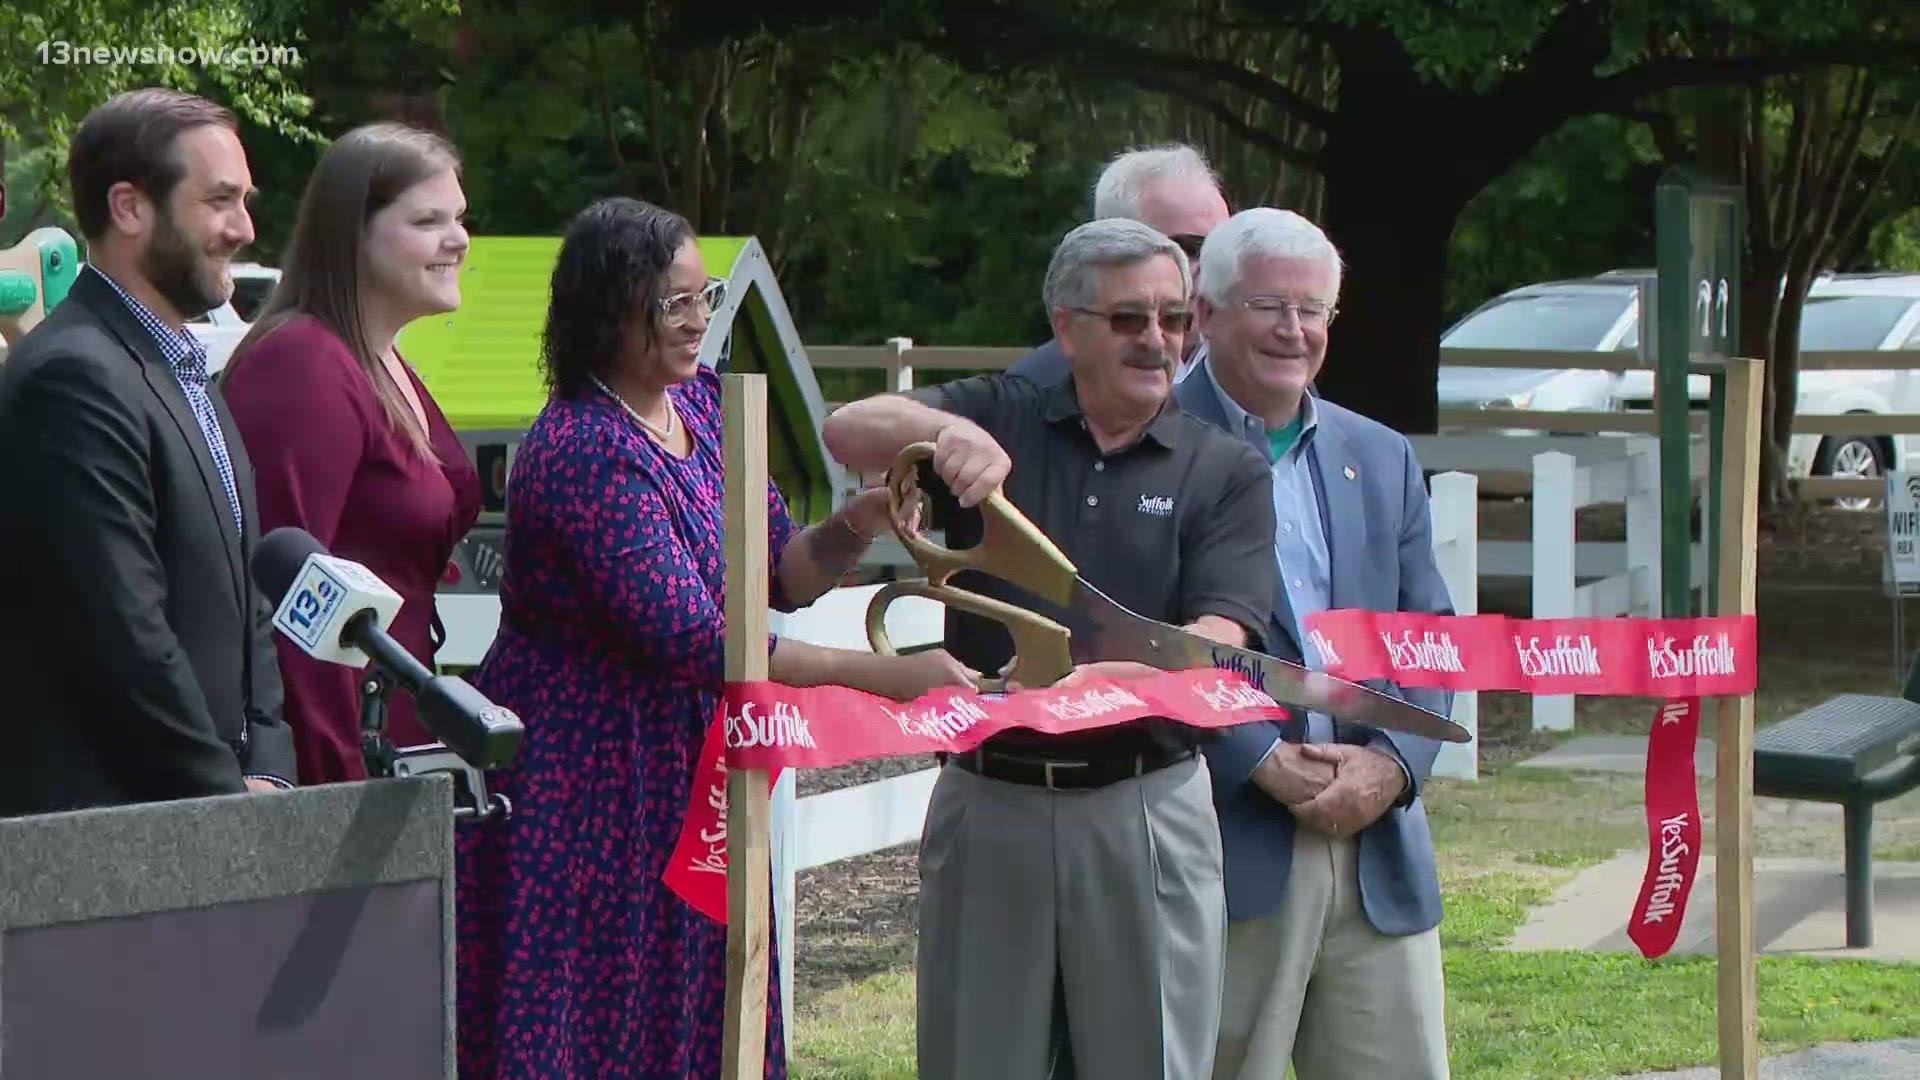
{"points": [[770, 726], [1663, 658], [1673, 825], [1681, 660]]}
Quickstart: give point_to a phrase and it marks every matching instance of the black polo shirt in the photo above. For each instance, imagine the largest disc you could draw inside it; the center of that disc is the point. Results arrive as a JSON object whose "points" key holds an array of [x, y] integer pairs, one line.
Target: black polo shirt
{"points": [[1178, 525]]}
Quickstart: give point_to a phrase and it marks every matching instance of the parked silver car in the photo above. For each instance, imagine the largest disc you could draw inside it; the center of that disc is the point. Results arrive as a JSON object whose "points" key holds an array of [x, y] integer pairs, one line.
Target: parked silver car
{"points": [[1843, 313]]}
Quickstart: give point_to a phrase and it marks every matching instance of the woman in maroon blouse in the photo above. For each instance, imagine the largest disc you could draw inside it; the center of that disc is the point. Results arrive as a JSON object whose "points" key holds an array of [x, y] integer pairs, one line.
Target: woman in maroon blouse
{"points": [[345, 440]]}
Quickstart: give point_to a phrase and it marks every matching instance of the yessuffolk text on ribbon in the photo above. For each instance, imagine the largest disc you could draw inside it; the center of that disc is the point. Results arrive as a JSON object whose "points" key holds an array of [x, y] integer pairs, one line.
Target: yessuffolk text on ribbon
{"points": [[765, 725], [1678, 660]]}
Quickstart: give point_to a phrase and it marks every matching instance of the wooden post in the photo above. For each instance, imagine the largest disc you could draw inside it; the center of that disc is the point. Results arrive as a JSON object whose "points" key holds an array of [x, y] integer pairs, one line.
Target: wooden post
{"points": [[1733, 802], [749, 866]]}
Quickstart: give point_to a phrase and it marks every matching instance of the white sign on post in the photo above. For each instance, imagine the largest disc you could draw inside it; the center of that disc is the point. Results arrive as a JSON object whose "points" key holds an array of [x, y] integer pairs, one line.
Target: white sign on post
{"points": [[1903, 531]]}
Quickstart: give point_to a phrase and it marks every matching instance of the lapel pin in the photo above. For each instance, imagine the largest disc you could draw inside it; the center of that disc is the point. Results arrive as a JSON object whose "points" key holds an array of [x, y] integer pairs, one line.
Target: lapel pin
{"points": [[1350, 474]]}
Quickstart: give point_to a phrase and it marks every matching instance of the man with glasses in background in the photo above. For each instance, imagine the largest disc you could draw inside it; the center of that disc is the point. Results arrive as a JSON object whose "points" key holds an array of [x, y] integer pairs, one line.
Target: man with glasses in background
{"points": [[1170, 189], [1071, 902], [1333, 948]]}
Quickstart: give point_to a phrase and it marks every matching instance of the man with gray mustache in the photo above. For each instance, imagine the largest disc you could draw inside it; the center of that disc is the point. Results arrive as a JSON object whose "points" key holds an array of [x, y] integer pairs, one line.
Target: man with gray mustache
{"points": [[1072, 913]]}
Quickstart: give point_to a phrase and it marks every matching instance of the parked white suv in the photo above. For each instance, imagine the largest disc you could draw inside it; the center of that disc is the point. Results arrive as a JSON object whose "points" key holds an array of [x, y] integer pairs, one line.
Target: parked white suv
{"points": [[1843, 313]]}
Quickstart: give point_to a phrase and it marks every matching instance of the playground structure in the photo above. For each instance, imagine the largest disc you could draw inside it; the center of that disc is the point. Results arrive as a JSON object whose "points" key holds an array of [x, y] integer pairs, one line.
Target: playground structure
{"points": [[35, 275], [481, 362]]}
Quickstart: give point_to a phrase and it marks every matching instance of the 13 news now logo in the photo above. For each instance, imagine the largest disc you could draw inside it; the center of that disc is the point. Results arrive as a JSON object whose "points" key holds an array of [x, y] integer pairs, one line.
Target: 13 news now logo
{"points": [[310, 605]]}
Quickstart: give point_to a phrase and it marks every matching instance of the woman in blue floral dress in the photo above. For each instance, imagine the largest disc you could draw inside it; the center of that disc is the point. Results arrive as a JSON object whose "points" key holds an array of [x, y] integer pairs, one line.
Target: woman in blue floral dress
{"points": [[575, 961]]}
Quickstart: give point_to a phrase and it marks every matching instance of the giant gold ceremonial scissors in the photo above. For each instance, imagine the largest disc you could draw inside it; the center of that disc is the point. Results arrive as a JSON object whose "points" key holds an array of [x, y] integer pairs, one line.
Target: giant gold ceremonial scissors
{"points": [[1046, 650]]}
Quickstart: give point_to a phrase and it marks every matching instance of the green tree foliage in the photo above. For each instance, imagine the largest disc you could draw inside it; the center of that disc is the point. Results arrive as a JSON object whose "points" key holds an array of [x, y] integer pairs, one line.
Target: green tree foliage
{"points": [[65, 57], [896, 194], [1579, 204], [1824, 156], [1429, 105], [1895, 245]]}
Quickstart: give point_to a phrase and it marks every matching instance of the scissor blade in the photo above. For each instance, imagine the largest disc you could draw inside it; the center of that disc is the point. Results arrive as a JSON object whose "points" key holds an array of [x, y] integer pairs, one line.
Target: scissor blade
{"points": [[1104, 630]]}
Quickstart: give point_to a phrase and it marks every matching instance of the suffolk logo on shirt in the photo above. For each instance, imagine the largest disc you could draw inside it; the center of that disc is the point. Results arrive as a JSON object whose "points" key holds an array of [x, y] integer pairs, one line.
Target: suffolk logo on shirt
{"points": [[1157, 505]]}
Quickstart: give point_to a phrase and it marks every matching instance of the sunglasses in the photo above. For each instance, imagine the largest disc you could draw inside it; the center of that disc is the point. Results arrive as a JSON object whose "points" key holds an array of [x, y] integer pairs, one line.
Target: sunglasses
{"points": [[1130, 323]]}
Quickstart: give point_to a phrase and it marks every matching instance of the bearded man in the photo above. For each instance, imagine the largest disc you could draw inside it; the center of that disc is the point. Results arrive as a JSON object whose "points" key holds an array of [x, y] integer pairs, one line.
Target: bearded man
{"points": [[137, 655]]}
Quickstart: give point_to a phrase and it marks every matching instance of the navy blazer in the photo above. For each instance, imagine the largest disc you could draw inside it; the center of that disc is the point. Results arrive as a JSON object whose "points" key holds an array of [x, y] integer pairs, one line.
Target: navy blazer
{"points": [[1045, 365], [1380, 544]]}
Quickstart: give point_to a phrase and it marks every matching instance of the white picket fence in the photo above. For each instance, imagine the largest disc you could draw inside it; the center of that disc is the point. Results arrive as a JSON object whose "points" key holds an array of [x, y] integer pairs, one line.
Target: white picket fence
{"points": [[1573, 578], [1455, 499]]}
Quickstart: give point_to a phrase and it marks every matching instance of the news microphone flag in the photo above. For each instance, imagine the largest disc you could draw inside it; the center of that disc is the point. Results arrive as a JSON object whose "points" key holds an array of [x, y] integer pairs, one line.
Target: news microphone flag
{"points": [[325, 596]]}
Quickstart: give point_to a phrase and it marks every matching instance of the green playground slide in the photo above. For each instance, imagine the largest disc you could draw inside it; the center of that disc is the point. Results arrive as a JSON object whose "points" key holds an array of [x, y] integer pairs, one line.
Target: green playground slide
{"points": [[482, 361]]}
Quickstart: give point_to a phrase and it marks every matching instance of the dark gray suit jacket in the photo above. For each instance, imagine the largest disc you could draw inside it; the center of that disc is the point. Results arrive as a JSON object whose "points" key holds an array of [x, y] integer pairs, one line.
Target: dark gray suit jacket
{"points": [[136, 655], [1045, 365], [1380, 543]]}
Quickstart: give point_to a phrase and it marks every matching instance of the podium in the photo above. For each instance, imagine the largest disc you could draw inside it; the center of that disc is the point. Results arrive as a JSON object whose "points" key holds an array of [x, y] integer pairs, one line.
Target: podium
{"points": [[289, 935]]}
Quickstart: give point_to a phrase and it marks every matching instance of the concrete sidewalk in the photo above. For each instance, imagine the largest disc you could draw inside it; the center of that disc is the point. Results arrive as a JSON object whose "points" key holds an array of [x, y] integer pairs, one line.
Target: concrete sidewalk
{"points": [[1897, 1059], [1799, 903], [1613, 753], [1799, 906]]}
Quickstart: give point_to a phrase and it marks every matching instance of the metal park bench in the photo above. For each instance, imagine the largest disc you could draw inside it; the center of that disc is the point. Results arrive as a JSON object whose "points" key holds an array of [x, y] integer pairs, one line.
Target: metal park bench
{"points": [[1855, 750]]}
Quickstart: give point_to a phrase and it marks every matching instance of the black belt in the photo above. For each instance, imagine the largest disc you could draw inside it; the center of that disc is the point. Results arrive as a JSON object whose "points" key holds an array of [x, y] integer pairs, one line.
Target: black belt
{"points": [[1063, 773]]}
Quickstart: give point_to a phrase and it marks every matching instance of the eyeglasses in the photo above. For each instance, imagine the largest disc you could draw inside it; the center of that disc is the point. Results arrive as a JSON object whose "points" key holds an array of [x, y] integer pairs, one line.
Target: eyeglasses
{"points": [[1310, 312], [678, 309], [1129, 323], [1189, 243]]}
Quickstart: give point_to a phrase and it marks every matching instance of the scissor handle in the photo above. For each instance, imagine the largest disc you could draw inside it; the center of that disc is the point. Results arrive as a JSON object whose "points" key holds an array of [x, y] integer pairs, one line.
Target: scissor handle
{"points": [[1010, 547], [1042, 648]]}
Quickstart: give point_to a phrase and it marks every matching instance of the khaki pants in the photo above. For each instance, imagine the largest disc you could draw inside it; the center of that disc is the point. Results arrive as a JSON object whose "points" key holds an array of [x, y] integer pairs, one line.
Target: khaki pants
{"points": [[1112, 896], [1316, 984]]}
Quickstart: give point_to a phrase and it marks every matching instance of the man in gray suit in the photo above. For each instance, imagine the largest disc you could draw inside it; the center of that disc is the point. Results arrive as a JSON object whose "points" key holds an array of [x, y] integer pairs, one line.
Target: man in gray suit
{"points": [[1170, 189], [1333, 948]]}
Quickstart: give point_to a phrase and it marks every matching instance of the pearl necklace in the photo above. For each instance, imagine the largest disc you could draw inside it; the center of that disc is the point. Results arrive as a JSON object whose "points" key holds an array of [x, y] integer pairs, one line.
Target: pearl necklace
{"points": [[673, 415]]}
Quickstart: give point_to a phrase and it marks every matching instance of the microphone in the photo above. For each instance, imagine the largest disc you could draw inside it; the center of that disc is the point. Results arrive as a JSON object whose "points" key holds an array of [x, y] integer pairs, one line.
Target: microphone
{"points": [[338, 611]]}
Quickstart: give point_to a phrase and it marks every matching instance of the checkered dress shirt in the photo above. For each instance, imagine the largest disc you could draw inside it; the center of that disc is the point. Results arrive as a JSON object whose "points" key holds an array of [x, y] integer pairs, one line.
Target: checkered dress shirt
{"points": [[187, 356]]}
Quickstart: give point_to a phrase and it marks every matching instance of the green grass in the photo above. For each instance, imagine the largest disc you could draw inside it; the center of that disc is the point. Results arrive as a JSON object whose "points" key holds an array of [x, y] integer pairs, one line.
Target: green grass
{"points": [[1506, 844], [863, 1031], [1509, 1014], [1583, 1014]]}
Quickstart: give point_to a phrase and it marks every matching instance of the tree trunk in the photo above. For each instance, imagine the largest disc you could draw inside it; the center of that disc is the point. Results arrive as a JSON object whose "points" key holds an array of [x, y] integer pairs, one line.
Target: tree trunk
{"points": [[1761, 268], [1383, 353], [1398, 172]]}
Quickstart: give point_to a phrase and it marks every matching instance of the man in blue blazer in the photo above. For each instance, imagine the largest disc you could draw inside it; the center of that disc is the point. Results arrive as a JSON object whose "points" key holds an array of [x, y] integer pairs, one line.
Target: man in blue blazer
{"points": [[1333, 902]]}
